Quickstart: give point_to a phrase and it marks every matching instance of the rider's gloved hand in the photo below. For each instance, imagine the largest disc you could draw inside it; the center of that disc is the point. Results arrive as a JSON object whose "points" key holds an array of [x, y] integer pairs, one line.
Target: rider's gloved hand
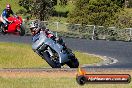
{"points": [[10, 22], [5, 25], [16, 16], [57, 39]]}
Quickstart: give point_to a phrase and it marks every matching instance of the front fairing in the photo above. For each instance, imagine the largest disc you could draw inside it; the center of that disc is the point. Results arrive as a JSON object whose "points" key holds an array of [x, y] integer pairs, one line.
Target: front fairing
{"points": [[38, 40]]}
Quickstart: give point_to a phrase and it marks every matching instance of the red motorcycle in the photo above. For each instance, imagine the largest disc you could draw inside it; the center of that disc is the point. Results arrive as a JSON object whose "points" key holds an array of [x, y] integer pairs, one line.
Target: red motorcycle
{"points": [[15, 27]]}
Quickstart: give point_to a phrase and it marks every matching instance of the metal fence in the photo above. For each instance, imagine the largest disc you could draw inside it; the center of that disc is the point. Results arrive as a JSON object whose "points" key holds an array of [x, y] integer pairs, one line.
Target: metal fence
{"points": [[89, 31]]}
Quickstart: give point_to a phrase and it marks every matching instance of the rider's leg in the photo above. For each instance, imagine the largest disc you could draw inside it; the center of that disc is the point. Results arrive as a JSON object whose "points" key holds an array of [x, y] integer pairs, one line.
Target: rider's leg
{"points": [[4, 22], [5, 25], [61, 42], [0, 21]]}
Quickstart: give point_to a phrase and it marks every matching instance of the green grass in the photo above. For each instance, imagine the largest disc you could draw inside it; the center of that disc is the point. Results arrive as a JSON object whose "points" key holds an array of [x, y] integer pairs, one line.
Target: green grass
{"points": [[52, 83], [58, 19], [14, 4], [129, 10], [61, 27], [85, 58], [64, 8], [15, 55]]}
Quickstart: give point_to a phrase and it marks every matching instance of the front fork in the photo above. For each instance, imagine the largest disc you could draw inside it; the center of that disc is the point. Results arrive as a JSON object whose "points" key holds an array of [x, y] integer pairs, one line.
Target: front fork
{"points": [[44, 48], [50, 52], [18, 29]]}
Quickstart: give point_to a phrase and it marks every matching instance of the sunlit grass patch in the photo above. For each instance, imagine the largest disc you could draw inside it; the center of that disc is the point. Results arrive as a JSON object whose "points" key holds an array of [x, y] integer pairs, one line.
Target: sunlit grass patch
{"points": [[52, 83], [85, 58], [15, 55]]}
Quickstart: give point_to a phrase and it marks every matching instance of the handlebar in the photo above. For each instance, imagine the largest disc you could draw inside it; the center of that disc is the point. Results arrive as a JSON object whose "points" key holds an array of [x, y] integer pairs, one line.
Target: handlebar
{"points": [[10, 22]]}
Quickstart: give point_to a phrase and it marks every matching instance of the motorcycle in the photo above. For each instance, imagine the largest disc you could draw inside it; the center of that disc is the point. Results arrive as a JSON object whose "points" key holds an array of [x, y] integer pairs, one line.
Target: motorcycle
{"points": [[15, 27], [54, 53]]}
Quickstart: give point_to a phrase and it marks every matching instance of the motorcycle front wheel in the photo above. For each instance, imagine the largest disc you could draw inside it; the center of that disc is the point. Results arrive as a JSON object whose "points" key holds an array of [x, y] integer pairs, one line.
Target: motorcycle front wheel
{"points": [[48, 59], [22, 31], [2, 29]]}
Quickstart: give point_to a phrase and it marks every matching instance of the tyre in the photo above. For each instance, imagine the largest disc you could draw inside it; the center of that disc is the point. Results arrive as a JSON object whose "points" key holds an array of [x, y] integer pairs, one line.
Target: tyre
{"points": [[73, 63], [22, 31], [2, 29], [53, 63], [81, 80]]}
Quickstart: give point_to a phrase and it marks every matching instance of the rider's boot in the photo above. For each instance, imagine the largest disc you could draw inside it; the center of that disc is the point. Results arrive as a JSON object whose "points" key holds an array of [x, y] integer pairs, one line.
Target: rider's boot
{"points": [[5, 28]]}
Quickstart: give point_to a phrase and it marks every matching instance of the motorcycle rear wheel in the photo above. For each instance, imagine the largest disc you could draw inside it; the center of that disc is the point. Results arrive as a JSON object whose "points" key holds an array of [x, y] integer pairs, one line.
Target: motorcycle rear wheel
{"points": [[73, 63], [22, 31]]}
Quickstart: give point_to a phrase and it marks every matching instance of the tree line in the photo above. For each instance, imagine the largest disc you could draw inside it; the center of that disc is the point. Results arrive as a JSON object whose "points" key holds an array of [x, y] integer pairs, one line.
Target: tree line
{"points": [[95, 12], [40, 9]]}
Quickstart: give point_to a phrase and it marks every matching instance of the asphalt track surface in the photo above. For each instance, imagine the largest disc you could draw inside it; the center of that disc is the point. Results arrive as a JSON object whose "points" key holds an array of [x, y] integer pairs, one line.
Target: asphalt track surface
{"points": [[122, 51]]}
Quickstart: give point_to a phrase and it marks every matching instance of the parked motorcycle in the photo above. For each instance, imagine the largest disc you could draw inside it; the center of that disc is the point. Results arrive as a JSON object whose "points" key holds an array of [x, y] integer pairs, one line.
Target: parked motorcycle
{"points": [[15, 27], [53, 52]]}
